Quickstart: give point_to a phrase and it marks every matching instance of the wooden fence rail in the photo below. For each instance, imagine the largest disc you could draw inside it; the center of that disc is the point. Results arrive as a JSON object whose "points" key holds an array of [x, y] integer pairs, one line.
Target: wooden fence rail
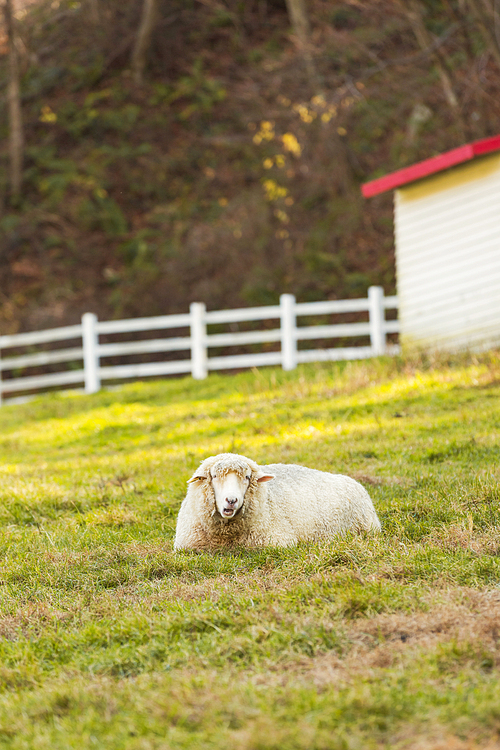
{"points": [[83, 360]]}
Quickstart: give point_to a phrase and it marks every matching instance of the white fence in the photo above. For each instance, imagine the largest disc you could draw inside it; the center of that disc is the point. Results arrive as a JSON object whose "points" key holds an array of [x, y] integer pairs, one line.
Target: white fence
{"points": [[83, 363]]}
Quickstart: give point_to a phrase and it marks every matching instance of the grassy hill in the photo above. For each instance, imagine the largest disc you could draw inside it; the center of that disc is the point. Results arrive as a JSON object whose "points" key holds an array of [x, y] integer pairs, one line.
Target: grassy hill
{"points": [[109, 639]]}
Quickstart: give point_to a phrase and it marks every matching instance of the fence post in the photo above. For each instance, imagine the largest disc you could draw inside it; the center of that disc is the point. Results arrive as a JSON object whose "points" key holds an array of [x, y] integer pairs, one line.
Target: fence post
{"points": [[288, 328], [377, 319], [199, 357], [90, 353]]}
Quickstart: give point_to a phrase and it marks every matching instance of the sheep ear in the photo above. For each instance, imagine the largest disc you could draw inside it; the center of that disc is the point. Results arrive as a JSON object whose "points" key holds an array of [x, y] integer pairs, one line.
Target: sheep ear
{"points": [[265, 477], [196, 478]]}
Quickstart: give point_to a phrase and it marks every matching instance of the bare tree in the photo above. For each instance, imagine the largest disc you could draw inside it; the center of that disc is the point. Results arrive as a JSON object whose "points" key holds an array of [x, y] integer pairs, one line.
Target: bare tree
{"points": [[300, 24], [414, 14], [496, 17], [16, 134], [94, 14], [486, 17], [143, 39]]}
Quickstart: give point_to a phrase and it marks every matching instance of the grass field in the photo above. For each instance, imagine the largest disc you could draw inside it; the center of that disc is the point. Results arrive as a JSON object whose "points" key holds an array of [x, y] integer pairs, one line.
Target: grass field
{"points": [[110, 640]]}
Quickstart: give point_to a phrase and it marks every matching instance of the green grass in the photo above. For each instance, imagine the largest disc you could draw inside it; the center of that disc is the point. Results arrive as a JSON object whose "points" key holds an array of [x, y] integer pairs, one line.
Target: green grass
{"points": [[109, 639]]}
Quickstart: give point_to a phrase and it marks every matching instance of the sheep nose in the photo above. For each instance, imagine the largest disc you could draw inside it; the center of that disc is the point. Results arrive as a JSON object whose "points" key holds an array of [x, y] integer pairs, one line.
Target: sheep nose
{"points": [[231, 500]]}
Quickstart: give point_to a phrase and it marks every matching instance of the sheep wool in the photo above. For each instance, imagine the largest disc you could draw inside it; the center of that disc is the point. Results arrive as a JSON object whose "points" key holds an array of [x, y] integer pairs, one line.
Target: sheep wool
{"points": [[232, 501]]}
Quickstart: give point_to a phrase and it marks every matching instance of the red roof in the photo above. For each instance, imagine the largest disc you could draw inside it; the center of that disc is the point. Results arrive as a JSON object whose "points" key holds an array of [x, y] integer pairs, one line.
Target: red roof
{"points": [[431, 166]]}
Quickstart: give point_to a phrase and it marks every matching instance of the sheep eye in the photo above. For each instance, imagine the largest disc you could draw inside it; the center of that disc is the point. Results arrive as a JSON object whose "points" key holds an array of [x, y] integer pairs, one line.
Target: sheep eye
{"points": [[248, 479]]}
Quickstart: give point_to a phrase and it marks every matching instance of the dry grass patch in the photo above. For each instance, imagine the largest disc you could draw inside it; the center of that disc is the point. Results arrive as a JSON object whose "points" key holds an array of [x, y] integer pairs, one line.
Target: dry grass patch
{"points": [[467, 619], [448, 742], [462, 536]]}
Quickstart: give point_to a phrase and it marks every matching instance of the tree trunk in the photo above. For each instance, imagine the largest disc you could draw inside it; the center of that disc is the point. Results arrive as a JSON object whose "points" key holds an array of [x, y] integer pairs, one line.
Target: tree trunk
{"points": [[143, 39], [300, 24], [94, 14], [424, 39], [487, 19], [16, 135], [414, 15], [496, 21]]}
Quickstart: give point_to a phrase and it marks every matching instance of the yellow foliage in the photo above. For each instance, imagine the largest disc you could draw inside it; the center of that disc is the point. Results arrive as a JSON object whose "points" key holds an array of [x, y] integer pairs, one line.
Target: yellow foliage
{"points": [[284, 100], [318, 100], [47, 115], [306, 115], [266, 132], [279, 160], [274, 191], [282, 216], [290, 143]]}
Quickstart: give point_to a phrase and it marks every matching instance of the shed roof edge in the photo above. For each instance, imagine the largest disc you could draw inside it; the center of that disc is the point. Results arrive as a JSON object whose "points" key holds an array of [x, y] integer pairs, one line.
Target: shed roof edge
{"points": [[431, 166]]}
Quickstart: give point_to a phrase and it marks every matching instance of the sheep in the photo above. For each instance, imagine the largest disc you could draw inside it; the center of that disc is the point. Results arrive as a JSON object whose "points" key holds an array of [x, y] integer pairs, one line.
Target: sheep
{"points": [[232, 501]]}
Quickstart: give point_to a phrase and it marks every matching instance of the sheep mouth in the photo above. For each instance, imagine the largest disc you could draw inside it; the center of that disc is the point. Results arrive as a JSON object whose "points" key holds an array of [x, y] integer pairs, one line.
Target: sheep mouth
{"points": [[230, 512]]}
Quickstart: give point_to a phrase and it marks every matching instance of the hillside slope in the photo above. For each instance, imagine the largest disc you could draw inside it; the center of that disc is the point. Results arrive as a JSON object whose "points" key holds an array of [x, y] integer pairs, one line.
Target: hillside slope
{"points": [[231, 175]]}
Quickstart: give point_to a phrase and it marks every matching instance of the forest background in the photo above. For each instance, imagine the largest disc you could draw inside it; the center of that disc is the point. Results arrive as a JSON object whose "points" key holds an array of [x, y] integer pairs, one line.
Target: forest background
{"points": [[213, 150]]}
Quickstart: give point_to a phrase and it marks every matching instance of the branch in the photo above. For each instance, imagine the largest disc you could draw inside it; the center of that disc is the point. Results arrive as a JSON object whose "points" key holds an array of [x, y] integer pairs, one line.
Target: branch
{"points": [[416, 56]]}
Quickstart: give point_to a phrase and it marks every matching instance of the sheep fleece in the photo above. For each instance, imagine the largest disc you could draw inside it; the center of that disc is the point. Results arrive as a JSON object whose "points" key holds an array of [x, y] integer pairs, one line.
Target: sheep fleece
{"points": [[299, 504]]}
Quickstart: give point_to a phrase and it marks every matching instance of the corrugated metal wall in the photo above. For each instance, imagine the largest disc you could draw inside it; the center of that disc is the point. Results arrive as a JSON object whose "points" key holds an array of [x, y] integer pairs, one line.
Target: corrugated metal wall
{"points": [[448, 257]]}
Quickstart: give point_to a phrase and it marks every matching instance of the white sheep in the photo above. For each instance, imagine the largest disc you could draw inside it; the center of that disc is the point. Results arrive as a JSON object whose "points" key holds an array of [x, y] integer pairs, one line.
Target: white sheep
{"points": [[232, 501]]}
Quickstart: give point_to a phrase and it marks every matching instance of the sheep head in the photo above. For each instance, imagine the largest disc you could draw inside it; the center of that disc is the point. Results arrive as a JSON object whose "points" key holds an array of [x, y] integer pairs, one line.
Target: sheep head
{"points": [[229, 475]]}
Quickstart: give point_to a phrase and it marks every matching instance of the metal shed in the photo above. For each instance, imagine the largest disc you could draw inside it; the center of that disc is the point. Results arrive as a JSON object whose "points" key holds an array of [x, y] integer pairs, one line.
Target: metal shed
{"points": [[447, 235]]}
